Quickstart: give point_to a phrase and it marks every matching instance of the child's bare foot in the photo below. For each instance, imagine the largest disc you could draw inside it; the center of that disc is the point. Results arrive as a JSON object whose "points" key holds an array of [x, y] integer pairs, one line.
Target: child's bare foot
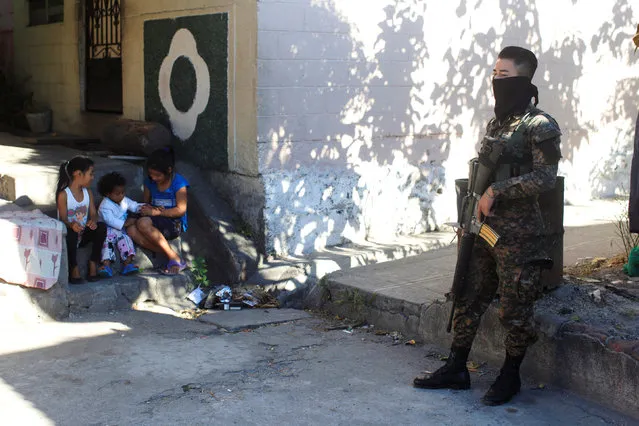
{"points": [[75, 273], [74, 276], [93, 272]]}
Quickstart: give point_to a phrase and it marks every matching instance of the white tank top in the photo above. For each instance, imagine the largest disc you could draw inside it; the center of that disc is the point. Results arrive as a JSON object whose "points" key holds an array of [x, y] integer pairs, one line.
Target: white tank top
{"points": [[77, 211]]}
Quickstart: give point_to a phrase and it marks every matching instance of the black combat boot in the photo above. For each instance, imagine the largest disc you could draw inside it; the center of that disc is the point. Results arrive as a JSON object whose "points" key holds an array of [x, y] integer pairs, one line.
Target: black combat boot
{"points": [[507, 384], [453, 375]]}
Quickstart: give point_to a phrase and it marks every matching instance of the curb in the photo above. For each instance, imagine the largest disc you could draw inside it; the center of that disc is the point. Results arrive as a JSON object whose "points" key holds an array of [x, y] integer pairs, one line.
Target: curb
{"points": [[120, 293], [29, 305], [573, 356]]}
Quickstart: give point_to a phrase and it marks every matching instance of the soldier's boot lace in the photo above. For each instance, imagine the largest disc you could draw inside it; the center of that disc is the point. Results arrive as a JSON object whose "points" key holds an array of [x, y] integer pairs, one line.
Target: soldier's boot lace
{"points": [[452, 375], [508, 382]]}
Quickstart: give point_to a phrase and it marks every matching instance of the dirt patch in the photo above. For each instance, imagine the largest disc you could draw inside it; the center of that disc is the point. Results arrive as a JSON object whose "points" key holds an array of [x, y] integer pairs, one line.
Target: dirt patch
{"points": [[597, 294]]}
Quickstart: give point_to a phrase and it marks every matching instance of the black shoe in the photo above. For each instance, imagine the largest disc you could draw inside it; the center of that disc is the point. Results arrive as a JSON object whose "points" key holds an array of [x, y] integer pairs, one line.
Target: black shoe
{"points": [[507, 385], [77, 281], [452, 375], [444, 378]]}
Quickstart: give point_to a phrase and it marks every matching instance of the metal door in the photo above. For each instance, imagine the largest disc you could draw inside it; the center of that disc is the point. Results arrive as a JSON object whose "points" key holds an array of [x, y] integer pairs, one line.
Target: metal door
{"points": [[103, 56]]}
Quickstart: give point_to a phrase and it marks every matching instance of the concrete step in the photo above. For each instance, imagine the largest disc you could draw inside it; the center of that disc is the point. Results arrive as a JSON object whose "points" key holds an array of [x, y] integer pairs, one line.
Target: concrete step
{"points": [[296, 279], [124, 292], [21, 304], [31, 172]]}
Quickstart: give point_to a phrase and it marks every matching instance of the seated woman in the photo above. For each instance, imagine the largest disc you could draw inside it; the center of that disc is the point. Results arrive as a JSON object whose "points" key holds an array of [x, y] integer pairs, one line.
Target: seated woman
{"points": [[164, 215]]}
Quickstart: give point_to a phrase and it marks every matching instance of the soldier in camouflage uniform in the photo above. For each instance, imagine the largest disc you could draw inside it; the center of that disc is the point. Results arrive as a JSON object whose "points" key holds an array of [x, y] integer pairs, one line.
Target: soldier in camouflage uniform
{"points": [[512, 268]]}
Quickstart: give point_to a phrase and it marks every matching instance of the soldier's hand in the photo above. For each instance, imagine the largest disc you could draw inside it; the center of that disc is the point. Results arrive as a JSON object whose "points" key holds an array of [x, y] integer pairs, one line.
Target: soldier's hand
{"points": [[485, 206]]}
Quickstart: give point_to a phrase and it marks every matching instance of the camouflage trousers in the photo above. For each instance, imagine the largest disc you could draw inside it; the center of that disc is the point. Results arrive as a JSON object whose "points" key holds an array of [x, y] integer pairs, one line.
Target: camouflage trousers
{"points": [[508, 270]]}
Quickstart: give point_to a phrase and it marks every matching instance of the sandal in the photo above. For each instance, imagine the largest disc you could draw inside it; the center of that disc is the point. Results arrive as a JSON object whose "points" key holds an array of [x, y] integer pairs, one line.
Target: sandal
{"points": [[129, 269], [181, 266], [104, 271], [77, 281]]}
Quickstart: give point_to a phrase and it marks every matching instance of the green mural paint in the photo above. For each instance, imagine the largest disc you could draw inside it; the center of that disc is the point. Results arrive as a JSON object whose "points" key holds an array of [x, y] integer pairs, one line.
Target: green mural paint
{"points": [[185, 84]]}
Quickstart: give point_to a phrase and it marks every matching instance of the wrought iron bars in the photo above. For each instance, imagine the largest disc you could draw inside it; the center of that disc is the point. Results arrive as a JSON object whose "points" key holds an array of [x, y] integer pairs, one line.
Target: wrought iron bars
{"points": [[103, 29]]}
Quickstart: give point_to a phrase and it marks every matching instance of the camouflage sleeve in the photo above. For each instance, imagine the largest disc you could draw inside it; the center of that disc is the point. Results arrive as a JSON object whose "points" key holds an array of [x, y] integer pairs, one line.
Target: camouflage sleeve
{"points": [[546, 153]]}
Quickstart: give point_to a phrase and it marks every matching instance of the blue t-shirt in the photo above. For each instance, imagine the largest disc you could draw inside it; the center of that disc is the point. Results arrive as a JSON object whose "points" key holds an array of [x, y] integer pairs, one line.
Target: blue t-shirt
{"points": [[166, 198]]}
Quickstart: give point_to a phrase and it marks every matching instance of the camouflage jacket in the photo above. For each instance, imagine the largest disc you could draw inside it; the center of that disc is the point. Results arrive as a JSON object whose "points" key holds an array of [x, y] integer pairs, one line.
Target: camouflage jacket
{"points": [[516, 211]]}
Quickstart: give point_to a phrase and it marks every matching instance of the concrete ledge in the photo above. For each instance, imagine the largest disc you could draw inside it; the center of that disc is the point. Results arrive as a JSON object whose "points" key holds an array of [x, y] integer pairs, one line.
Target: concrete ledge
{"points": [[123, 292], [353, 255], [25, 305], [569, 355], [296, 278]]}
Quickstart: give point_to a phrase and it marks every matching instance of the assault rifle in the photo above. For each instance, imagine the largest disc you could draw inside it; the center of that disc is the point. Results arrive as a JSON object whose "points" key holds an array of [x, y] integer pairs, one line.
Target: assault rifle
{"points": [[481, 170]]}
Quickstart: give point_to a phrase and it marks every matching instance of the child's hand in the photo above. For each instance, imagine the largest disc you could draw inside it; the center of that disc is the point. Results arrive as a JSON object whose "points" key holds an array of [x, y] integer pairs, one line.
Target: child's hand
{"points": [[75, 227], [145, 210], [157, 211], [92, 225]]}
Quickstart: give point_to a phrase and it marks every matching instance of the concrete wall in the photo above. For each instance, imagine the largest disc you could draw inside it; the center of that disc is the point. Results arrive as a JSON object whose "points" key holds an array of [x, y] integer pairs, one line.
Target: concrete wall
{"points": [[242, 153], [49, 54], [52, 54], [369, 109]]}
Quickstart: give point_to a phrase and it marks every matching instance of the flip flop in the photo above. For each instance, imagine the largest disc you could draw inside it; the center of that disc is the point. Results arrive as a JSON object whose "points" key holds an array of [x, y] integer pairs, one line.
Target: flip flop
{"points": [[105, 271], [129, 269], [167, 270]]}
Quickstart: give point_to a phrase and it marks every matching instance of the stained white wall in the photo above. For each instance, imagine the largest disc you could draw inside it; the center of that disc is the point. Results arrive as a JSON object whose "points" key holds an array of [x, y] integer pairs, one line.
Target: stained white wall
{"points": [[369, 109]]}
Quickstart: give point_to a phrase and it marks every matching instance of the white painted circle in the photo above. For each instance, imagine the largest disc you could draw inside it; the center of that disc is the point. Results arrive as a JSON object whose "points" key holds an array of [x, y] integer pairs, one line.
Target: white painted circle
{"points": [[184, 123]]}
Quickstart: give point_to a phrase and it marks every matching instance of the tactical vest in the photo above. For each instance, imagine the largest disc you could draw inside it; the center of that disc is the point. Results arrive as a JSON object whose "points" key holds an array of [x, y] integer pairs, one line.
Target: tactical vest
{"points": [[516, 160]]}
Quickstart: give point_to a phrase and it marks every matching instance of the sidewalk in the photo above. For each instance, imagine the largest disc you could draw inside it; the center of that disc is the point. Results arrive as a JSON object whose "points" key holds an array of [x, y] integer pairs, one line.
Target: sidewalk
{"points": [[408, 296]]}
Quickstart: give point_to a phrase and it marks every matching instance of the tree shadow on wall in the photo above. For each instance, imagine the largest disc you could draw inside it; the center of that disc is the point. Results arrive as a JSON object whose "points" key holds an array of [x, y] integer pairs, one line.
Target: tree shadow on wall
{"points": [[475, 62], [610, 177], [370, 108], [361, 119]]}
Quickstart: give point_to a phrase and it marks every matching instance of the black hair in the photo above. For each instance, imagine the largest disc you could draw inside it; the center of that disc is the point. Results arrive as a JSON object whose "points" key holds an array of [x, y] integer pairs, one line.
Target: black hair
{"points": [[108, 182], [162, 160], [525, 61], [68, 168]]}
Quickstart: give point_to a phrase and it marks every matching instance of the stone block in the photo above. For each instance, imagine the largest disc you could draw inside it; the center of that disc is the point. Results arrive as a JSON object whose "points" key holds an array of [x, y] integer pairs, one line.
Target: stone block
{"points": [[135, 137], [7, 187], [22, 304]]}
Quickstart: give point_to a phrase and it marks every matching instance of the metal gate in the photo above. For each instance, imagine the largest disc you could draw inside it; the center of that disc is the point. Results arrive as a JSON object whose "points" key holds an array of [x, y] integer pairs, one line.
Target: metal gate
{"points": [[103, 56]]}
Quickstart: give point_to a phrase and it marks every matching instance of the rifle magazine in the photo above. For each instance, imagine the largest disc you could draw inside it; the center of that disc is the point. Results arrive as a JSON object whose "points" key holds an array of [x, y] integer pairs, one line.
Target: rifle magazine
{"points": [[489, 235]]}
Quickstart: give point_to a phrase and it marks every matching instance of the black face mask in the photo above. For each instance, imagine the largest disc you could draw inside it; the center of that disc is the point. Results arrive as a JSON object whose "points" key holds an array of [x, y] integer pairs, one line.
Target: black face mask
{"points": [[512, 95]]}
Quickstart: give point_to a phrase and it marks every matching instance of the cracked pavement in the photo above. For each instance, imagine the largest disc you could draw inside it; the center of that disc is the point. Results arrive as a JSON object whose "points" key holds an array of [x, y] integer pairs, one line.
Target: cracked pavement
{"points": [[139, 368]]}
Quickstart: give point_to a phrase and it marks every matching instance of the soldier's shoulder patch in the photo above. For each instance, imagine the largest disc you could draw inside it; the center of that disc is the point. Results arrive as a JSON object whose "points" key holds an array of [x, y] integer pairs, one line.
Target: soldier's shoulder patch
{"points": [[543, 127]]}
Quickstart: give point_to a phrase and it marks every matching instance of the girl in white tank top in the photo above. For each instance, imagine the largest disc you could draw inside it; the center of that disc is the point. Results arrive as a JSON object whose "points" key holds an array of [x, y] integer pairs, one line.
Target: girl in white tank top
{"points": [[77, 211]]}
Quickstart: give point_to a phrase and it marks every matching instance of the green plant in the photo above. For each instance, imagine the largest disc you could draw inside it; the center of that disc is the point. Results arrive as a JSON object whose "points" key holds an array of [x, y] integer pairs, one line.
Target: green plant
{"points": [[628, 239], [243, 228], [356, 301], [325, 290], [199, 273]]}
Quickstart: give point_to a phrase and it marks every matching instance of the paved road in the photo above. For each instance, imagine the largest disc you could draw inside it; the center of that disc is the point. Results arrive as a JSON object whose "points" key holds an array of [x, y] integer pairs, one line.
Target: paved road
{"points": [[152, 369]]}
